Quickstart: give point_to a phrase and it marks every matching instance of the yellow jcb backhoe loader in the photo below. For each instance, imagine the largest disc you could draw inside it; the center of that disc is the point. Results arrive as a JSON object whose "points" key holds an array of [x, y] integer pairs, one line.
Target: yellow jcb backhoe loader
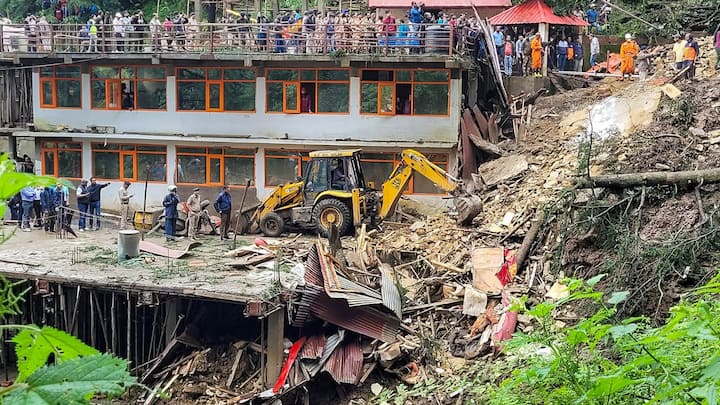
{"points": [[334, 191]]}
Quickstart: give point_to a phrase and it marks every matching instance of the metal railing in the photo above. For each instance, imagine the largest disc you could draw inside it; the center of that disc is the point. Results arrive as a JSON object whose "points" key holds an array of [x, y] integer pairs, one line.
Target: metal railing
{"points": [[232, 39]]}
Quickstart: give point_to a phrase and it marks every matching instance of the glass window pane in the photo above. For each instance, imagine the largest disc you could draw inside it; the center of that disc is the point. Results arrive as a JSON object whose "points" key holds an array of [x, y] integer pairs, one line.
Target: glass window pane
{"points": [[404, 76], [369, 98], [127, 147], [239, 96], [98, 94], [214, 151], [47, 72], [191, 169], [68, 93], [239, 170], [333, 97], [47, 93], [430, 99], [280, 171], [189, 149], [70, 145], [387, 102], [337, 75], [282, 75], [431, 76], [152, 166], [378, 156], [151, 148], [70, 164], [291, 94], [215, 170], [128, 166], [151, 95], [104, 72], [377, 75], [239, 152], [109, 146], [151, 73], [214, 74], [239, 74], [193, 74], [68, 72], [106, 165], [214, 96], [49, 163], [191, 95], [308, 75], [376, 171], [127, 73], [274, 97]]}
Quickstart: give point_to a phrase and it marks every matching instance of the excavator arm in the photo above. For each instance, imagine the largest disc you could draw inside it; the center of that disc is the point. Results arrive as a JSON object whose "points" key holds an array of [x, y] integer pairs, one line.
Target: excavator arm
{"points": [[469, 206]]}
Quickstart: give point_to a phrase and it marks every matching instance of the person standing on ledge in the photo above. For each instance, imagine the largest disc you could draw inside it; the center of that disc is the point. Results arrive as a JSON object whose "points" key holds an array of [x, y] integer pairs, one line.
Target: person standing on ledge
{"points": [[223, 205], [170, 203]]}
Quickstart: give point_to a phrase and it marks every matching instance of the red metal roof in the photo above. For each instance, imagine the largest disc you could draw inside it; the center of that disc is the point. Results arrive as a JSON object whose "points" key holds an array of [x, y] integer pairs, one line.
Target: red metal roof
{"points": [[441, 4], [533, 12]]}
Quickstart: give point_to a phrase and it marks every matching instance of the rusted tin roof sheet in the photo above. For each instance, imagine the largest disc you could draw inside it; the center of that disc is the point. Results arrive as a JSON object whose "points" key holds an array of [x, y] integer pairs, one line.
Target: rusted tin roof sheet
{"points": [[313, 348], [345, 364], [363, 320]]}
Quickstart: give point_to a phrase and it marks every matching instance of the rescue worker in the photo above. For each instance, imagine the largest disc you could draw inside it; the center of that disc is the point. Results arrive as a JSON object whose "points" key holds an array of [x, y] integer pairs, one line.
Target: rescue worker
{"points": [[170, 203], [628, 52], [124, 196], [690, 54], [536, 49], [193, 203]]}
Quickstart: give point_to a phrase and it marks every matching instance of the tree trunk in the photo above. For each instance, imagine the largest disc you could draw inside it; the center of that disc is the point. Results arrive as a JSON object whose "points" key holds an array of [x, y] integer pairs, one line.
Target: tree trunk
{"points": [[685, 178], [198, 10], [257, 7], [304, 5], [321, 6], [276, 8]]}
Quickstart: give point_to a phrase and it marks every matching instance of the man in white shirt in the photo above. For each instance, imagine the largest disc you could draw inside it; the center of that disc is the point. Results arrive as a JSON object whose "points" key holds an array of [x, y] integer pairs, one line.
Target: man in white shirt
{"points": [[117, 25], [124, 196], [594, 49]]}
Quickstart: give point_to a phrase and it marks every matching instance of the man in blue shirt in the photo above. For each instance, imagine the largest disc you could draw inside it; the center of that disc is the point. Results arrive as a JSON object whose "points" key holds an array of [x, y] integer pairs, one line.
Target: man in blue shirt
{"points": [[499, 40], [223, 205], [562, 51], [27, 196], [577, 54], [592, 18], [170, 203]]}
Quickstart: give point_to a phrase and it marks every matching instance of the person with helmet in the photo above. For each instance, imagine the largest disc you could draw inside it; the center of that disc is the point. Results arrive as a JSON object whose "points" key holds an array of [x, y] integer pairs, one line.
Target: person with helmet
{"points": [[170, 203], [628, 51]]}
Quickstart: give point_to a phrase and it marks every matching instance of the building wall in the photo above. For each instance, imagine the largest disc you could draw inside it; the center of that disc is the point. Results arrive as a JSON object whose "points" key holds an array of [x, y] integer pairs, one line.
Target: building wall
{"points": [[260, 125]]}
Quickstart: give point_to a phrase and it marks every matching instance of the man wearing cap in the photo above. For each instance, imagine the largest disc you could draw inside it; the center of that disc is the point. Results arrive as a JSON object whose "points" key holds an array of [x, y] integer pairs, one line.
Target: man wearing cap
{"points": [[628, 51], [223, 205], [193, 203], [170, 203], [124, 196], [678, 51]]}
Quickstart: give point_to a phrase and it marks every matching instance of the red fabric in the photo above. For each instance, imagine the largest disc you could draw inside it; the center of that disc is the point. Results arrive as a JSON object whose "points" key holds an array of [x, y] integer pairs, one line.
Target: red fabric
{"points": [[294, 350], [534, 12], [508, 269]]}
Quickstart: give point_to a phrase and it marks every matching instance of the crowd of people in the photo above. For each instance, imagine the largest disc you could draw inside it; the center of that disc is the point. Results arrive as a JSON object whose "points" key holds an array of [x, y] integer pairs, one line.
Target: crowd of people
{"points": [[311, 31]]}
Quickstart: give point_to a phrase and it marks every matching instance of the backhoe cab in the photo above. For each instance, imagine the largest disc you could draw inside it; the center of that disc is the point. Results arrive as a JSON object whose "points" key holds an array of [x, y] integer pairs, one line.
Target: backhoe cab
{"points": [[334, 192]]}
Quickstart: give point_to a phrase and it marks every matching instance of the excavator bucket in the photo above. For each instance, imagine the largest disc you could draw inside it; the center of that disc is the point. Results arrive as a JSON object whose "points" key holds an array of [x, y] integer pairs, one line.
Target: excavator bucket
{"points": [[468, 208]]}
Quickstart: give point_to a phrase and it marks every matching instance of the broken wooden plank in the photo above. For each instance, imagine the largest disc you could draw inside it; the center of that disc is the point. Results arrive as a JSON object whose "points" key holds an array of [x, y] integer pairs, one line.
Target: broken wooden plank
{"points": [[159, 250], [252, 260]]}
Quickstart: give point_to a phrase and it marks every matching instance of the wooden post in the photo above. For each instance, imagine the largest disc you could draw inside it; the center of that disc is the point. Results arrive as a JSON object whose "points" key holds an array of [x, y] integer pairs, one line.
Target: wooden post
{"points": [[275, 332], [113, 325]]}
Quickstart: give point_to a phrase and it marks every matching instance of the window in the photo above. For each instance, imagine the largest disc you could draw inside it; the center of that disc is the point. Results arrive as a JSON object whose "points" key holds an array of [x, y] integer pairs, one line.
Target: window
{"points": [[215, 165], [308, 91], [129, 162], [60, 87], [378, 166], [128, 87], [216, 89], [62, 159], [283, 166], [404, 92]]}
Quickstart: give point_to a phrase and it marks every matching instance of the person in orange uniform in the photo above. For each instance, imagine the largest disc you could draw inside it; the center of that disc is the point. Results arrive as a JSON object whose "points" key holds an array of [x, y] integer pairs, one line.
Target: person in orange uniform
{"points": [[628, 51], [536, 49]]}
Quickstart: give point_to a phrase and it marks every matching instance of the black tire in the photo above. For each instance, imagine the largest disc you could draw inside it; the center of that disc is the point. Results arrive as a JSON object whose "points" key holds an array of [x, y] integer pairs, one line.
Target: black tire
{"points": [[272, 225], [329, 211]]}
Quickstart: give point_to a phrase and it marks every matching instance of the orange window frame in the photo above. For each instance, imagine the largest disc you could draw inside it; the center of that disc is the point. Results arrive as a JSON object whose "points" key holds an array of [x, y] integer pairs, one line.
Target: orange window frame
{"points": [[395, 159], [301, 156], [121, 160], [53, 85], [316, 82], [113, 96], [208, 82], [412, 82], [55, 150], [208, 158]]}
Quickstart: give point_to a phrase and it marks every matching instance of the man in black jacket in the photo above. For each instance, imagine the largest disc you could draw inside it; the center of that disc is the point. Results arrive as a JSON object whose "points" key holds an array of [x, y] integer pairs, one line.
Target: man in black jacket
{"points": [[93, 191]]}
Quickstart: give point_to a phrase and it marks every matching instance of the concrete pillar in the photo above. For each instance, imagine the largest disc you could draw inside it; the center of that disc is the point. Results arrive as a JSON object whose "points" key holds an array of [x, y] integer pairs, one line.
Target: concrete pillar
{"points": [[544, 30], [275, 349]]}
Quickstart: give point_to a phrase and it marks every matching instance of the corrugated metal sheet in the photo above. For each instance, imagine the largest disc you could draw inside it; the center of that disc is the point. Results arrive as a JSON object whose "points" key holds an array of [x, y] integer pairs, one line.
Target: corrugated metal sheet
{"points": [[313, 348], [390, 294], [363, 320], [345, 364], [332, 343], [442, 4], [534, 12]]}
